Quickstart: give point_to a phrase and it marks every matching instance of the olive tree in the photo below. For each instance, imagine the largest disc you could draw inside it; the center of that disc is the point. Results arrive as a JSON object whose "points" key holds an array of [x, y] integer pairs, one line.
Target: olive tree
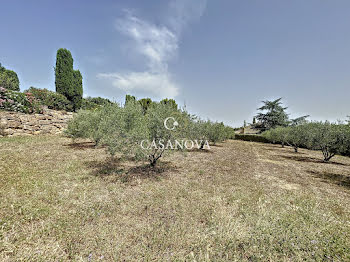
{"points": [[296, 136], [328, 137]]}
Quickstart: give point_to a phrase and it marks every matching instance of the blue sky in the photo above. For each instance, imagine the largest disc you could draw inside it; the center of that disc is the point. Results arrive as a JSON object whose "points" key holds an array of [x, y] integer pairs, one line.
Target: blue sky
{"points": [[220, 58]]}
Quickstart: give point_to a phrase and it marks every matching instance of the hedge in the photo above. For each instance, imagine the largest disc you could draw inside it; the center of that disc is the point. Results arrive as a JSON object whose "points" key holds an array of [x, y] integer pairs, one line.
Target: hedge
{"points": [[252, 138]]}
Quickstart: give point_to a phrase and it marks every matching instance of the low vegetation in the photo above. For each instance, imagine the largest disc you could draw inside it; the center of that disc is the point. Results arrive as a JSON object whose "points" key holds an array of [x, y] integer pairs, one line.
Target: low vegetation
{"points": [[238, 202], [330, 138], [19, 102], [139, 132]]}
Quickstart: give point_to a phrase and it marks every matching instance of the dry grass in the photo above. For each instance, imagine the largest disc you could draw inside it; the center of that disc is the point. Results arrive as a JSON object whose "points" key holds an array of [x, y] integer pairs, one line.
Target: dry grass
{"points": [[238, 202]]}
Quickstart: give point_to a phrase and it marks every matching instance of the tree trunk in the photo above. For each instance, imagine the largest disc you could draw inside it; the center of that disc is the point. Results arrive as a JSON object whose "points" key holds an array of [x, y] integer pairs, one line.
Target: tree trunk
{"points": [[295, 149]]}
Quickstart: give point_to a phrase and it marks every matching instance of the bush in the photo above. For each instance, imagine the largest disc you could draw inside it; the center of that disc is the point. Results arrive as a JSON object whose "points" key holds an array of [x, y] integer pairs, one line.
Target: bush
{"points": [[19, 102], [277, 135], [90, 103], [51, 99], [9, 79], [81, 126], [216, 132]]}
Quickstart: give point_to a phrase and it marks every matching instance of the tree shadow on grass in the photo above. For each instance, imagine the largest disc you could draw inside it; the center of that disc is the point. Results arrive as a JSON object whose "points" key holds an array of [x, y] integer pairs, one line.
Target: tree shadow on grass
{"points": [[337, 179], [286, 149], [311, 160], [216, 145], [81, 145], [196, 150], [122, 171]]}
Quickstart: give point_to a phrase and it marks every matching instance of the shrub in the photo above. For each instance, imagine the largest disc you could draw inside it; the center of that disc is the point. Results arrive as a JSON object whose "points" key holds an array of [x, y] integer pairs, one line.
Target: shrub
{"points": [[216, 132], [90, 103], [81, 125], [9, 79], [198, 129], [19, 102], [51, 99]]}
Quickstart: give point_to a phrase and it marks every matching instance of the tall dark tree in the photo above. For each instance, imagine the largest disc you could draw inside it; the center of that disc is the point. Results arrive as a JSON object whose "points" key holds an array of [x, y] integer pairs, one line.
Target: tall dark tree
{"points": [[68, 82], [78, 90], [272, 114], [145, 104], [129, 98], [170, 102]]}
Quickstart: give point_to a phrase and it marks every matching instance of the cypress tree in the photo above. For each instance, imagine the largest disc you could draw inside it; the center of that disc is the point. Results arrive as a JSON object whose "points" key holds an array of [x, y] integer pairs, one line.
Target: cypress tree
{"points": [[78, 89], [64, 73], [68, 82], [129, 98]]}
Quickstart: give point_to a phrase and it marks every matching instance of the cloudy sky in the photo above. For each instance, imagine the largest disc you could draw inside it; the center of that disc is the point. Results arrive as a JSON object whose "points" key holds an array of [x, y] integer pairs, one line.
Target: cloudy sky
{"points": [[219, 58]]}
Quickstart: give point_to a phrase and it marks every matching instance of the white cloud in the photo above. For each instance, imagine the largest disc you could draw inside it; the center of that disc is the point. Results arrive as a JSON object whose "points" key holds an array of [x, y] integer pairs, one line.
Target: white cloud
{"points": [[159, 45], [157, 84]]}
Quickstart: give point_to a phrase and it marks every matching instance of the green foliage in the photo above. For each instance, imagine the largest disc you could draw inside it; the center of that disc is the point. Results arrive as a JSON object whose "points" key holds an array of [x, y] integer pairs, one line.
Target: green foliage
{"points": [[8, 79], [51, 99], [216, 132], [330, 138], [272, 114], [64, 73], [130, 132], [19, 102], [157, 134], [170, 102], [78, 90], [145, 104], [296, 136], [94, 102], [81, 125], [252, 138], [68, 82], [130, 98]]}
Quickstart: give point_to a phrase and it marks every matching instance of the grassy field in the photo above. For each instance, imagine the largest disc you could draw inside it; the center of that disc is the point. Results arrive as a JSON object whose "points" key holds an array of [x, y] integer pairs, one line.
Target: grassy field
{"points": [[241, 201]]}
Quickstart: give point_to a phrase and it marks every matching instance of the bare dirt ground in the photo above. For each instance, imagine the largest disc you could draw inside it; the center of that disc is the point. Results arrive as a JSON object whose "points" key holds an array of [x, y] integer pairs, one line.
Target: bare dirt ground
{"points": [[239, 201]]}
